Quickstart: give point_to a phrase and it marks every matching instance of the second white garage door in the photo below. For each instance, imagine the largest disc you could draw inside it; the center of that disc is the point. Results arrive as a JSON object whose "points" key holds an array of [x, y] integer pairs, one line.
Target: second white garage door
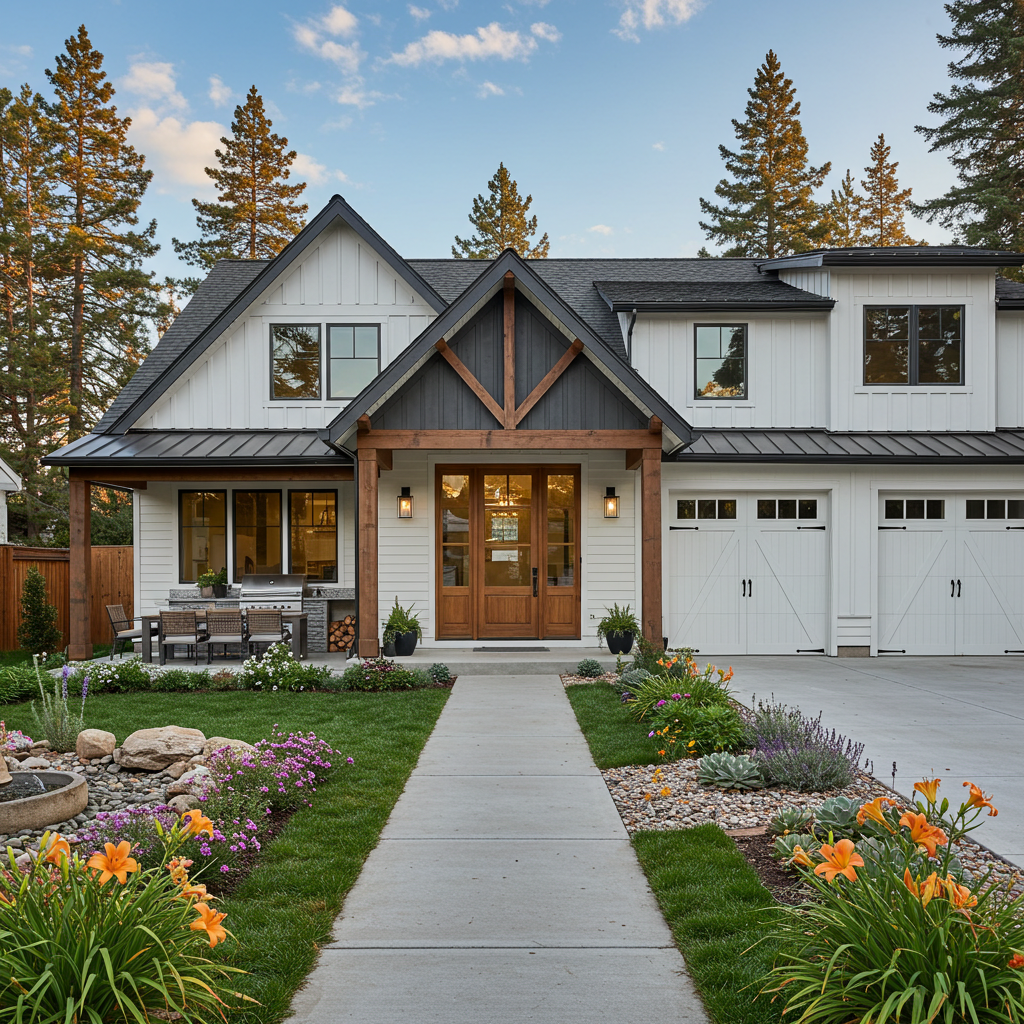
{"points": [[749, 573]]}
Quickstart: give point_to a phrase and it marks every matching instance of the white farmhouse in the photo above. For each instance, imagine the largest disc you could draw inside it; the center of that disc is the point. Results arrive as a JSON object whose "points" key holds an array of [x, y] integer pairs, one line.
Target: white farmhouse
{"points": [[10, 483]]}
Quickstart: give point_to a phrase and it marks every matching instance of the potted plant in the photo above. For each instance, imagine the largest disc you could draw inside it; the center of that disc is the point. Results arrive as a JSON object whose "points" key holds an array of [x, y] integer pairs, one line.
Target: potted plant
{"points": [[402, 629], [220, 584], [213, 584], [619, 627]]}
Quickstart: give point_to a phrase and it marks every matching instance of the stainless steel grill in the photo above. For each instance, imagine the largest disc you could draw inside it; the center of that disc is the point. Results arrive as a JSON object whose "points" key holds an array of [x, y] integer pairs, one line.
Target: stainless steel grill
{"points": [[284, 592]]}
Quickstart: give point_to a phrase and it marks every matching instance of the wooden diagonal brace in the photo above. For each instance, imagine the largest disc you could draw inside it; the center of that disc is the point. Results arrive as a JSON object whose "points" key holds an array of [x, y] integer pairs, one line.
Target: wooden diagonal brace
{"points": [[550, 377], [471, 382]]}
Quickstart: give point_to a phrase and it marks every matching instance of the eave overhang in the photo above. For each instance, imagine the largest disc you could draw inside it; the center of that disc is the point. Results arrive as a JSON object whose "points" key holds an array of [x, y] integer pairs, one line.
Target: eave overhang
{"points": [[924, 256]]}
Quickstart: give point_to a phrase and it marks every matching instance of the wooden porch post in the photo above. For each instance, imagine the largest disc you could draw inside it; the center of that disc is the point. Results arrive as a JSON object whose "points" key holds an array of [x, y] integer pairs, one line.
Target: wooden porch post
{"points": [[366, 613], [650, 516], [80, 571]]}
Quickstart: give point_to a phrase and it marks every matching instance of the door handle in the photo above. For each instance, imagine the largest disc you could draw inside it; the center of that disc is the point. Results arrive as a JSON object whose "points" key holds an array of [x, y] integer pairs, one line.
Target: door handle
{"points": [[744, 588], [534, 582], [957, 588], [952, 588], [750, 588]]}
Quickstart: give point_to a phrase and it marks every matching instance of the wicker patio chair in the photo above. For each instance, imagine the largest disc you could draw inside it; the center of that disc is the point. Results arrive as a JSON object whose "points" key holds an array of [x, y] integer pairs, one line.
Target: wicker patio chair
{"points": [[124, 629], [224, 627], [265, 627], [179, 628]]}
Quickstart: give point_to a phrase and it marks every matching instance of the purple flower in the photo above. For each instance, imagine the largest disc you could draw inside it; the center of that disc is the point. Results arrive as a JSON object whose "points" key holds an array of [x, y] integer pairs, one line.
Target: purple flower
{"points": [[350, 760], [686, 695], [660, 703], [85, 688], [224, 869], [650, 734], [677, 696]]}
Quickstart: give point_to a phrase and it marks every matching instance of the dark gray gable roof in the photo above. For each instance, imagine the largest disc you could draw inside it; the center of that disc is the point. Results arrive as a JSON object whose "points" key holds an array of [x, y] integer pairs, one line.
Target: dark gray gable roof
{"points": [[1009, 294], [820, 446], [897, 255], [694, 296], [231, 293], [149, 448], [488, 276]]}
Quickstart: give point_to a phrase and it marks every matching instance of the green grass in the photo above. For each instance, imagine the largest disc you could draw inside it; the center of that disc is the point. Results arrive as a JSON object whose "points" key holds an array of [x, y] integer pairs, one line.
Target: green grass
{"points": [[615, 739], [717, 909], [9, 658], [285, 908]]}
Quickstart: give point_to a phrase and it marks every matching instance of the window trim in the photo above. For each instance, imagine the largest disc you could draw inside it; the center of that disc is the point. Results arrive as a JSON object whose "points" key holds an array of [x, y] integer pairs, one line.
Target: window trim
{"points": [[330, 397], [337, 528], [913, 361], [320, 362], [235, 491], [181, 537], [745, 397]]}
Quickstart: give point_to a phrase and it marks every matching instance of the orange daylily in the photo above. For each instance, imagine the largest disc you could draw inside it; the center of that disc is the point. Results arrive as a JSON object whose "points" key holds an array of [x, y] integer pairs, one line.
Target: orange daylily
{"points": [[114, 863], [1016, 962], [959, 895], [839, 860], [194, 889], [197, 824], [209, 921], [978, 799], [923, 834], [56, 848], [928, 788], [800, 857], [728, 675], [924, 891], [873, 810]]}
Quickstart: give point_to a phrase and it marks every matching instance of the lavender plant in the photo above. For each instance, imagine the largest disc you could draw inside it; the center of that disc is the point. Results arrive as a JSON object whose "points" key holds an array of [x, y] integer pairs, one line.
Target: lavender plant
{"points": [[58, 723]]}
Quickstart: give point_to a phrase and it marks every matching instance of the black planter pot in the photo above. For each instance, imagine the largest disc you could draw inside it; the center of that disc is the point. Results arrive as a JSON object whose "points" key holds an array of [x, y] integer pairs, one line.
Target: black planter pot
{"points": [[389, 649], [405, 644], [620, 643], [220, 590]]}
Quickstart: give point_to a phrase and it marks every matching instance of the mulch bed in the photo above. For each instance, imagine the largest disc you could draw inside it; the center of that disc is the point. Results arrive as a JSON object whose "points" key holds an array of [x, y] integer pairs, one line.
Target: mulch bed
{"points": [[756, 845]]}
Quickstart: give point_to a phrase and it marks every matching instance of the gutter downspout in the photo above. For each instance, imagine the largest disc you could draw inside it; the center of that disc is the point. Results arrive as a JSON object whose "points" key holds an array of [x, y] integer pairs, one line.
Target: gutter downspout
{"points": [[629, 338], [355, 546]]}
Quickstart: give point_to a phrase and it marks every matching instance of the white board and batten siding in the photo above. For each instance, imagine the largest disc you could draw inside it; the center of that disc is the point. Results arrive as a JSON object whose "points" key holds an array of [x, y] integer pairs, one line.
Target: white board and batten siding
{"points": [[809, 280], [339, 280], [1010, 369], [787, 369]]}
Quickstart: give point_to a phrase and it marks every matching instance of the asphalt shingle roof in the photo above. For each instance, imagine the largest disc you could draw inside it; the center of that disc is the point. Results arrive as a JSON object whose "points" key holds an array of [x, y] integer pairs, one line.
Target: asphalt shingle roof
{"points": [[1009, 294], [623, 295]]}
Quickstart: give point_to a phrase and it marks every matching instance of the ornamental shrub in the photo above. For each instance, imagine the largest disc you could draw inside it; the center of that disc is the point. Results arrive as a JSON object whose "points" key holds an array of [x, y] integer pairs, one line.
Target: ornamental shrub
{"points": [[590, 668], [278, 669], [129, 676], [179, 680], [375, 675], [700, 689], [440, 673], [680, 728], [38, 631]]}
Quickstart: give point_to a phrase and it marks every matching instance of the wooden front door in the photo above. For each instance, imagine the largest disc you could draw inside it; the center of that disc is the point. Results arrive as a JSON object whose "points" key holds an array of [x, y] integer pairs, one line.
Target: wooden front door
{"points": [[508, 552]]}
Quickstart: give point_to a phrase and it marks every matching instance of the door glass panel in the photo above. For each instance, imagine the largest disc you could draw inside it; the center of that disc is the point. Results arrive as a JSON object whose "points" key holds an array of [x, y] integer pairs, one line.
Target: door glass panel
{"points": [[726, 508], [975, 509], [686, 508], [706, 508], [561, 564], [894, 508], [936, 508], [454, 501], [915, 508], [996, 509], [507, 523], [765, 508], [808, 508], [505, 489], [507, 567], [1015, 509], [787, 508], [455, 565]]}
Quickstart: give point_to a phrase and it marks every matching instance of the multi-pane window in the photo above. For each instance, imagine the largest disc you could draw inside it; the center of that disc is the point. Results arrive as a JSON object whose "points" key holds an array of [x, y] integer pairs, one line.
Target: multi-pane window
{"points": [[706, 508], [202, 523], [561, 530], [257, 528], [313, 534], [720, 361], [994, 508], [787, 508], [915, 508], [913, 345], [354, 358], [295, 361]]}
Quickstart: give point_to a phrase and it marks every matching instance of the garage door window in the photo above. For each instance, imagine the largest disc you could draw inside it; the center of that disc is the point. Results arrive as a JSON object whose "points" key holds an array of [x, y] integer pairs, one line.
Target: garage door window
{"points": [[915, 508], [994, 508], [706, 508], [787, 508]]}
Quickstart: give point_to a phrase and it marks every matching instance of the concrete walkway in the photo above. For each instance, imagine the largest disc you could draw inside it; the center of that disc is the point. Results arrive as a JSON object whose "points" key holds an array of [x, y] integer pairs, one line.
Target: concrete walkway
{"points": [[504, 888]]}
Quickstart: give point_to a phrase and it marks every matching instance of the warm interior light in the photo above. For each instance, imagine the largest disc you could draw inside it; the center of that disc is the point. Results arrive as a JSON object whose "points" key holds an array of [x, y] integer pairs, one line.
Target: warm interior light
{"points": [[405, 504], [611, 503]]}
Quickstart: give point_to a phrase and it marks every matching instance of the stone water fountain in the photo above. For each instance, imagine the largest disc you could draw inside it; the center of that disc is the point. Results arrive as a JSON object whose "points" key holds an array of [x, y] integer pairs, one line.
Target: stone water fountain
{"points": [[34, 799]]}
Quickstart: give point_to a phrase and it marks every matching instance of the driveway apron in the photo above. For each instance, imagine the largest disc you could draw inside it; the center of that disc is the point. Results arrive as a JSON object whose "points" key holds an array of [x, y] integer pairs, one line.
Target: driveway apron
{"points": [[504, 888]]}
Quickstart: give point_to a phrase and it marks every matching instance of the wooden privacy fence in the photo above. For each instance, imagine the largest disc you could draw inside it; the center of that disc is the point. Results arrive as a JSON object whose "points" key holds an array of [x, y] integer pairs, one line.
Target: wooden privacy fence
{"points": [[112, 583]]}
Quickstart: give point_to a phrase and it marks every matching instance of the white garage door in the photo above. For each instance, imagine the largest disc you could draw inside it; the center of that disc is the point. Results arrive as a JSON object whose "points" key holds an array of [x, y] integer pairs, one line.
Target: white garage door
{"points": [[951, 574], [748, 573]]}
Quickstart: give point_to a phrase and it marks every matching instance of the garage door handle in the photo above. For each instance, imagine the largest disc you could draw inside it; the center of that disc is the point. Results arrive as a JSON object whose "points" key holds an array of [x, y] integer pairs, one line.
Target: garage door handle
{"points": [[750, 588], [892, 527], [684, 527], [957, 588], [952, 588], [744, 588], [812, 527]]}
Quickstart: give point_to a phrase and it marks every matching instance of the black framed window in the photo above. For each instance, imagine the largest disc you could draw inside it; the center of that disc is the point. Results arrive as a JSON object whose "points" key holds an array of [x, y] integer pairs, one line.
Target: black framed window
{"points": [[353, 353], [295, 361], [257, 532], [720, 361], [913, 345], [706, 508], [313, 534], [202, 533]]}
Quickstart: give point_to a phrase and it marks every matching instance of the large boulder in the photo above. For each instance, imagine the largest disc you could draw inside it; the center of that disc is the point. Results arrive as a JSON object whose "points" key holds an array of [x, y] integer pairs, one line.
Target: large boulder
{"points": [[153, 749], [183, 803], [219, 742], [94, 743]]}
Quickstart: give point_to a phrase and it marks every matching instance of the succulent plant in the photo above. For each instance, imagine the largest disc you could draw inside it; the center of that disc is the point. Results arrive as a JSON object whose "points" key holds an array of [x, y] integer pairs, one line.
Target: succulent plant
{"points": [[729, 771], [632, 677], [791, 819], [785, 845], [590, 668], [838, 815]]}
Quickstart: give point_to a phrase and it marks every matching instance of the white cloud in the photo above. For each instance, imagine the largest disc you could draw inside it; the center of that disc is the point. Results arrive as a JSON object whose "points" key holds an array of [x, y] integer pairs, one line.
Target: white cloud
{"points": [[653, 14], [220, 94], [177, 149], [354, 95], [22, 50], [155, 81], [488, 41], [310, 169], [419, 13], [601, 229], [337, 22], [659, 146], [489, 89], [543, 30]]}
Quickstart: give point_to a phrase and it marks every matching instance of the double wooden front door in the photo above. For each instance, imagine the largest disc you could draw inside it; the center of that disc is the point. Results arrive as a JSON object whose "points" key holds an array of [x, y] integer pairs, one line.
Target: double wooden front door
{"points": [[508, 552]]}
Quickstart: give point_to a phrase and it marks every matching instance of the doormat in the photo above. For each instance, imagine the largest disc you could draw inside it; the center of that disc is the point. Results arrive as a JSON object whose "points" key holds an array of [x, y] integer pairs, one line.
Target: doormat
{"points": [[509, 650]]}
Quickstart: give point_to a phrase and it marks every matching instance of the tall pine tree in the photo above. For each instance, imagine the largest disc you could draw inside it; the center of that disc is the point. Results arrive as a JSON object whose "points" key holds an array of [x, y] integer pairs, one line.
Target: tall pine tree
{"points": [[501, 223], [255, 215], [768, 209], [842, 215], [880, 211], [107, 297], [982, 125]]}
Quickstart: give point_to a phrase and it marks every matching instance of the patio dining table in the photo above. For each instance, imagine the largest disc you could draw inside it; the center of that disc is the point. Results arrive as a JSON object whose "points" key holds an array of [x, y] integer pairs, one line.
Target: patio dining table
{"points": [[299, 622]]}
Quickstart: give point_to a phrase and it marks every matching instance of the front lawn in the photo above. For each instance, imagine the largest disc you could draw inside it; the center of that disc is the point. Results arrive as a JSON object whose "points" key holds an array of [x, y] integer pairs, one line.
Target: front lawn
{"points": [[285, 908], [614, 737]]}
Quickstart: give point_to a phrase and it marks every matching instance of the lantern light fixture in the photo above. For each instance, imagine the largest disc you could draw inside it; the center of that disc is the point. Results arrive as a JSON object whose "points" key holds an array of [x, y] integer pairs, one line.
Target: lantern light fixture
{"points": [[611, 503], [405, 504]]}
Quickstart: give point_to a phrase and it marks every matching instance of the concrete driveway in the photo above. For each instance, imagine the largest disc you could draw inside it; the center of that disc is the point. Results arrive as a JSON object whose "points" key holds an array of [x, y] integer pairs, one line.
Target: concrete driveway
{"points": [[955, 718]]}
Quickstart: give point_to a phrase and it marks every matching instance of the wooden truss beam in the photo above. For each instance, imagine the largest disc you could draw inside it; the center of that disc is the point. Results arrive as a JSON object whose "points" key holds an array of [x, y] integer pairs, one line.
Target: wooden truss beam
{"points": [[550, 377], [509, 418], [471, 382], [650, 546], [504, 440], [79, 571], [368, 504]]}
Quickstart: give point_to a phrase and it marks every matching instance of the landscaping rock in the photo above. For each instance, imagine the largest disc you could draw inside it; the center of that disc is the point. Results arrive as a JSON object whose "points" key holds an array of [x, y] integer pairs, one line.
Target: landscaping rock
{"points": [[95, 743], [154, 749], [33, 762], [198, 759], [218, 742], [182, 803], [193, 781], [177, 769]]}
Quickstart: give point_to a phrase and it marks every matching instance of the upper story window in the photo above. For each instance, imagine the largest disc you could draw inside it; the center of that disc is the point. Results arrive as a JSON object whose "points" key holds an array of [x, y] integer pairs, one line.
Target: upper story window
{"points": [[295, 361], [354, 354], [720, 361], [914, 345]]}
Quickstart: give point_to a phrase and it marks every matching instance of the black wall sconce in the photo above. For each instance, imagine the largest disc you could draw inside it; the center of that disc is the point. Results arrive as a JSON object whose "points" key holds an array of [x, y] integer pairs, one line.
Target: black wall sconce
{"points": [[405, 504], [611, 503]]}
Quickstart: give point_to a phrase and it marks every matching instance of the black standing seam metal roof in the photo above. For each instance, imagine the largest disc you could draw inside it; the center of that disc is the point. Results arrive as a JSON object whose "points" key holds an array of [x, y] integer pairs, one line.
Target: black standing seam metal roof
{"points": [[775, 445]]}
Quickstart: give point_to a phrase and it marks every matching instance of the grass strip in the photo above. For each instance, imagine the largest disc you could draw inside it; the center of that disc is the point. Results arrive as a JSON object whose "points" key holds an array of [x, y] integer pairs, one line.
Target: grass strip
{"points": [[614, 737], [717, 909], [284, 910]]}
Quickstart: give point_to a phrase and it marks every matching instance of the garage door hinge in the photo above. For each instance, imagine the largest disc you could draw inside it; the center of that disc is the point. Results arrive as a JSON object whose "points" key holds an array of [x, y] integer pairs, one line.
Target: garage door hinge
{"points": [[892, 527]]}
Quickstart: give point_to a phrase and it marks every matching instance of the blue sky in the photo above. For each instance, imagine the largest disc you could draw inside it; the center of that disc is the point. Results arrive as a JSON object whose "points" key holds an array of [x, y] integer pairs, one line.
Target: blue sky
{"points": [[609, 112]]}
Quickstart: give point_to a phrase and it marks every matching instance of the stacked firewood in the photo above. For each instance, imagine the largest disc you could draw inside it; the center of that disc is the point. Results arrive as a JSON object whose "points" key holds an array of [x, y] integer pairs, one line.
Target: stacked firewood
{"points": [[341, 635]]}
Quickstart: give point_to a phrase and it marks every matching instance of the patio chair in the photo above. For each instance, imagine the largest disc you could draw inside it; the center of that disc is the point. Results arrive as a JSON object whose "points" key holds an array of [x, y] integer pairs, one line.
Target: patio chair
{"points": [[124, 629], [179, 628], [224, 627], [265, 627]]}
